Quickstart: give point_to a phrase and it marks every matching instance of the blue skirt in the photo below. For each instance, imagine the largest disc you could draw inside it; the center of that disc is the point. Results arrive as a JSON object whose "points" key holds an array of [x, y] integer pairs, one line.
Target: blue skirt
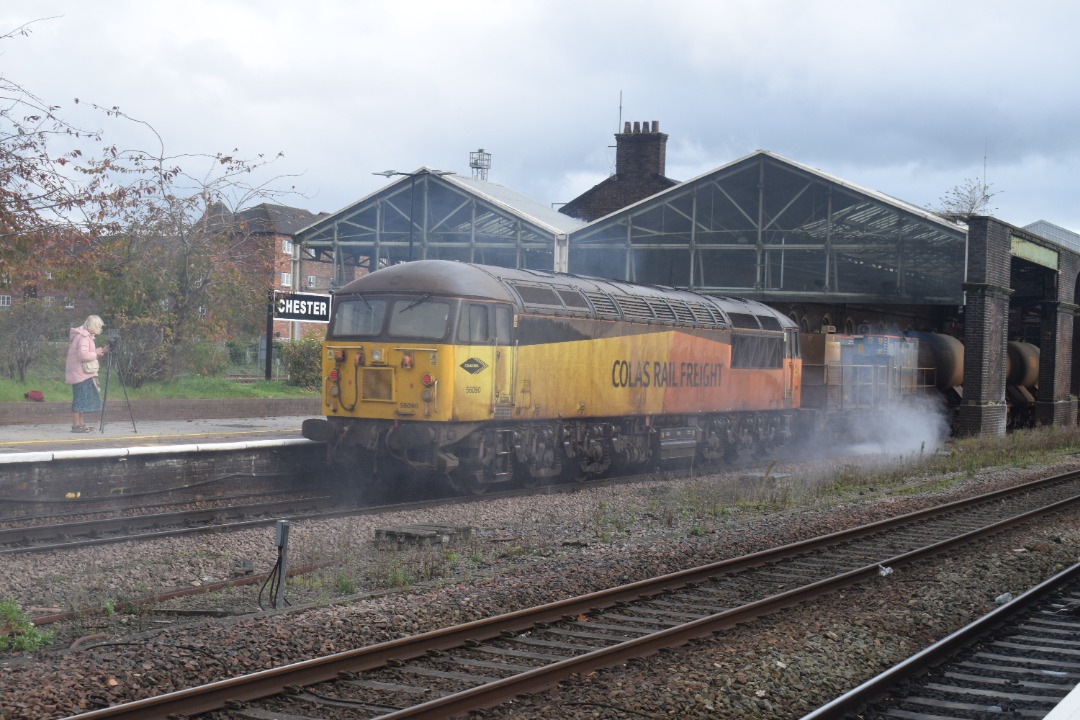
{"points": [[85, 397]]}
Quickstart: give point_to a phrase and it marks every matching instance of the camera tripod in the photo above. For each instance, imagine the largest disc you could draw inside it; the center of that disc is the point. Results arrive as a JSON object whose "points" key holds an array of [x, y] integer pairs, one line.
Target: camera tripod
{"points": [[105, 395]]}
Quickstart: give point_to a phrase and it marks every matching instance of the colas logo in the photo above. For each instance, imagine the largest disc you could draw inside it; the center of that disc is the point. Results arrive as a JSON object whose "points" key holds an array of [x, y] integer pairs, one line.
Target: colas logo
{"points": [[473, 366]]}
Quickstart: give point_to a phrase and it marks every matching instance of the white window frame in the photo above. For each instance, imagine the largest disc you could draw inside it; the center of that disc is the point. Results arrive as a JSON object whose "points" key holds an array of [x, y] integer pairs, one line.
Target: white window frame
{"points": [[5, 301], [287, 247], [286, 279], [312, 280], [69, 303]]}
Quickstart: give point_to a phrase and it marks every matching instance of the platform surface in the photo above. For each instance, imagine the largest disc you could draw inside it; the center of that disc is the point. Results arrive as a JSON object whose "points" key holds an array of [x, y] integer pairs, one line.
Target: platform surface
{"points": [[46, 438]]}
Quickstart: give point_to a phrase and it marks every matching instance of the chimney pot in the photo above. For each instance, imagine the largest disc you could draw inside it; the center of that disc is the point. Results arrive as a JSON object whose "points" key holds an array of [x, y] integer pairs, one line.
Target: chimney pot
{"points": [[656, 126], [626, 126], [637, 127]]}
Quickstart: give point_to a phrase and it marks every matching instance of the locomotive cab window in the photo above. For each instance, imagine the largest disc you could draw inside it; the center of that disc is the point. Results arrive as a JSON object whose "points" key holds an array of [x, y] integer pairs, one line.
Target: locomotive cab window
{"points": [[358, 317], [504, 322], [475, 324]]}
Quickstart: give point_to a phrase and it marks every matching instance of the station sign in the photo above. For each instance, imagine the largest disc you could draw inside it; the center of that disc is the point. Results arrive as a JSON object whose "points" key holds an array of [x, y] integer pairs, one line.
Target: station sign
{"points": [[302, 307]]}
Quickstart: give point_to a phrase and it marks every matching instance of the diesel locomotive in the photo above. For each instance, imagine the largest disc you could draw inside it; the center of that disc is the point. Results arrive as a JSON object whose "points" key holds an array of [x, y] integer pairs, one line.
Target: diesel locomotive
{"points": [[485, 375]]}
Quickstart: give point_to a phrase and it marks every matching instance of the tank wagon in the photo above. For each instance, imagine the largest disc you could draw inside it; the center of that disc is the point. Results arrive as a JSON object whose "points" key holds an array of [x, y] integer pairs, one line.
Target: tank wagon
{"points": [[489, 375]]}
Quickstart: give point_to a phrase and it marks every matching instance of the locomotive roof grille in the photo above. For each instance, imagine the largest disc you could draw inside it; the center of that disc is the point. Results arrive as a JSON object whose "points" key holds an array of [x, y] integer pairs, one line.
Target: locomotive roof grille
{"points": [[684, 315], [602, 303], [573, 299], [635, 308], [662, 310], [710, 313], [532, 295]]}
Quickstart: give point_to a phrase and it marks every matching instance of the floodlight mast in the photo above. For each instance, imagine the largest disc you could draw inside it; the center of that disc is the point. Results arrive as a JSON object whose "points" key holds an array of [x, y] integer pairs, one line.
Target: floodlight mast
{"points": [[480, 162]]}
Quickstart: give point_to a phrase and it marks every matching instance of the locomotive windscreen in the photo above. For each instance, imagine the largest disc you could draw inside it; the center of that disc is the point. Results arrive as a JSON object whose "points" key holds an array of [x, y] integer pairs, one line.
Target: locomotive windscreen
{"points": [[421, 319], [358, 317]]}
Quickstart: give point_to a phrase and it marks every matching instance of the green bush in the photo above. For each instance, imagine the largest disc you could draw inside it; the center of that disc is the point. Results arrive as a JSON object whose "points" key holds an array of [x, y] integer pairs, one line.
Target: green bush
{"points": [[303, 362]]}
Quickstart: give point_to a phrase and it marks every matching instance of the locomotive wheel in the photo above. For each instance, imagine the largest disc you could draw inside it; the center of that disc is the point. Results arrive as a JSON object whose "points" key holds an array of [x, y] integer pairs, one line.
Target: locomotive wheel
{"points": [[474, 483], [526, 480], [573, 472]]}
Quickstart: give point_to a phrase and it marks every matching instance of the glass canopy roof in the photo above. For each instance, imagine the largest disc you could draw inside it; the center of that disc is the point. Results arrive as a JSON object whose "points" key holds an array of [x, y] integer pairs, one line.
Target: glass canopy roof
{"points": [[761, 226], [429, 214], [767, 227]]}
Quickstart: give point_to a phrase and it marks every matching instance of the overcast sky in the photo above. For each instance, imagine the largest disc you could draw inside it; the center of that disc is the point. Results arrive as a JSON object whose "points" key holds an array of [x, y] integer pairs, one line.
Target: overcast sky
{"points": [[910, 97]]}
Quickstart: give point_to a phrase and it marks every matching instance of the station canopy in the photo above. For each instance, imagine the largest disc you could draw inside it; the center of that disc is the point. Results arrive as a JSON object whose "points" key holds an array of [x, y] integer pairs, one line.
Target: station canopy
{"points": [[434, 215], [772, 229]]}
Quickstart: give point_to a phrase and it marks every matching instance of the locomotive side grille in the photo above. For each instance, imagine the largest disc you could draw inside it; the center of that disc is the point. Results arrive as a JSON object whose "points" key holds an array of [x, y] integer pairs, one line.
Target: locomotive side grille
{"points": [[604, 305], [377, 384], [743, 320]]}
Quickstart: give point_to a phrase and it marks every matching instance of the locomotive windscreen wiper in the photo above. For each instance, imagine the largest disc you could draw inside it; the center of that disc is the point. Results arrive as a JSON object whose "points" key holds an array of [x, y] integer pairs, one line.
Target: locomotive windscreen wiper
{"points": [[416, 302]]}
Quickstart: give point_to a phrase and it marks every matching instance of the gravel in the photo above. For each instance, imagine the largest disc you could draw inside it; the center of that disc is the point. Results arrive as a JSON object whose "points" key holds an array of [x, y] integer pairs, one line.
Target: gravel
{"points": [[525, 552]]}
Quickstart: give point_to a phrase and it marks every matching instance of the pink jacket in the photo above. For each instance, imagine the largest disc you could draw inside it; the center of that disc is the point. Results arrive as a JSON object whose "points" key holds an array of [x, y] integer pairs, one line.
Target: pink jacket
{"points": [[81, 348]]}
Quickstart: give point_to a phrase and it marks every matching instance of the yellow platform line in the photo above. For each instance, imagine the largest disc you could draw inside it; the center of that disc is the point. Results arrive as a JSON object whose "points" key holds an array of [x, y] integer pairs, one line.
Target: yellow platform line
{"points": [[85, 438]]}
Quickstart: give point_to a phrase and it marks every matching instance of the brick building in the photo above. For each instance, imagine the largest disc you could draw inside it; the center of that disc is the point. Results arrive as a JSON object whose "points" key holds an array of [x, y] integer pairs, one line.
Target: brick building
{"points": [[271, 229]]}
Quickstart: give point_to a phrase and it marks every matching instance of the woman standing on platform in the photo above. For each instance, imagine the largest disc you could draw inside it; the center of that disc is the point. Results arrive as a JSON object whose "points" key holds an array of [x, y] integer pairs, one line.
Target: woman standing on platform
{"points": [[81, 371]]}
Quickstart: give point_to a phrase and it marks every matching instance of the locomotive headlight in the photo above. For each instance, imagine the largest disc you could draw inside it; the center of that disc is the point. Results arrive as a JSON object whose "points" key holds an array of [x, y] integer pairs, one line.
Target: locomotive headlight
{"points": [[427, 395], [377, 355]]}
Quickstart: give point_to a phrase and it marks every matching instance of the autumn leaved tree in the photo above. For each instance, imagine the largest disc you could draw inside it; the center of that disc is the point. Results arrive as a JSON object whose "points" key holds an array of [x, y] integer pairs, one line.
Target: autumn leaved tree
{"points": [[181, 268], [150, 235]]}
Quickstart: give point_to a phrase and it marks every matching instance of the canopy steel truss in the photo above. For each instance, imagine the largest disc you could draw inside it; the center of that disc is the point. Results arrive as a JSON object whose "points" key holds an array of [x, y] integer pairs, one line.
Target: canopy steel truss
{"points": [[769, 228]]}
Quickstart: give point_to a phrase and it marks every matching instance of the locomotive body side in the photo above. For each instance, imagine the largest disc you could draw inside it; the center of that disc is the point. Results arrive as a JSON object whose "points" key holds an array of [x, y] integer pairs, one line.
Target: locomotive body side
{"points": [[488, 374]]}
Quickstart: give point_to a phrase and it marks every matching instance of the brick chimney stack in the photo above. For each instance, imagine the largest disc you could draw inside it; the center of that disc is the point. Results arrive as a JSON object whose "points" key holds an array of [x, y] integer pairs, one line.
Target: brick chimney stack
{"points": [[640, 157], [640, 152]]}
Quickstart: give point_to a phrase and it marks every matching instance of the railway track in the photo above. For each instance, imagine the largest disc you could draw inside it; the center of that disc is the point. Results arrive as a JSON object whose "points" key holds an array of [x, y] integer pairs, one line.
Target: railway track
{"points": [[68, 532], [67, 535], [1019, 661], [483, 663]]}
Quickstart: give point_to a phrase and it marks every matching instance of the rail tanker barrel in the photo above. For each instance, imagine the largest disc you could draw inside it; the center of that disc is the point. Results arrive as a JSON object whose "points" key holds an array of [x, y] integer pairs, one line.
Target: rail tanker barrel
{"points": [[1022, 365], [945, 354]]}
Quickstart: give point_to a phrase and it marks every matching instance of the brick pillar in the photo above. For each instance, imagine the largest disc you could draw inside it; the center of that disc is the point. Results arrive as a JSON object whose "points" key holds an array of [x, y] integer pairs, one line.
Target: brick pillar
{"points": [[1056, 401], [986, 314]]}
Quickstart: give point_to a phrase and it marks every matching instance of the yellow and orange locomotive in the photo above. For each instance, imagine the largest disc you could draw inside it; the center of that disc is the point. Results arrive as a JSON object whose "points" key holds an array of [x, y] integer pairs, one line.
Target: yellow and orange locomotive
{"points": [[487, 374]]}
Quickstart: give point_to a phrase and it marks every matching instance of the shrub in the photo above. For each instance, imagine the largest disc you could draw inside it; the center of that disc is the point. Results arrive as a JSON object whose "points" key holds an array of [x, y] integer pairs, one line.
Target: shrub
{"points": [[303, 362]]}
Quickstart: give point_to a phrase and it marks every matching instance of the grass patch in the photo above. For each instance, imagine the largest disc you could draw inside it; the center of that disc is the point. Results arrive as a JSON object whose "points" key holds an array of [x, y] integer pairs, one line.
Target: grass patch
{"points": [[183, 388], [17, 632]]}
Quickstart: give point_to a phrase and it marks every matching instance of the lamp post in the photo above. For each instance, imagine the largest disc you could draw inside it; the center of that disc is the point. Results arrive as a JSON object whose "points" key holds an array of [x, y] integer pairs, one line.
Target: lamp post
{"points": [[412, 193]]}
